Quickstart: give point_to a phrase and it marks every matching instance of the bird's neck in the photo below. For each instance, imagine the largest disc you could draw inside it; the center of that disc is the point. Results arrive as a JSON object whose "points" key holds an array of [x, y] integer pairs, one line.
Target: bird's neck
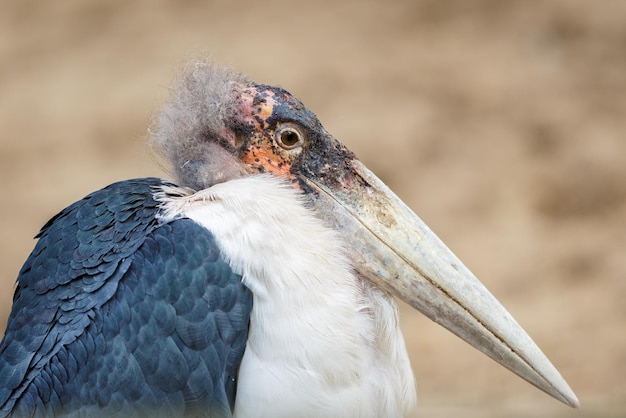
{"points": [[322, 342]]}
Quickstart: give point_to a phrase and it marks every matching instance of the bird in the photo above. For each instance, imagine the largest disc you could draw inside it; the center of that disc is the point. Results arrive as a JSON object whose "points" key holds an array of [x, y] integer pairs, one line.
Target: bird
{"points": [[262, 281]]}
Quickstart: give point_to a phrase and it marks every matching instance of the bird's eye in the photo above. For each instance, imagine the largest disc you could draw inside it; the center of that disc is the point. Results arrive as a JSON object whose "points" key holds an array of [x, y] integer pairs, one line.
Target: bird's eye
{"points": [[289, 136]]}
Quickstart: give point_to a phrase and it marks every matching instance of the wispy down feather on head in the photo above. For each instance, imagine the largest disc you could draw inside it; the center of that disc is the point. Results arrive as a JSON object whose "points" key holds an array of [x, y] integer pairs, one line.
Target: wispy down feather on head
{"points": [[189, 126]]}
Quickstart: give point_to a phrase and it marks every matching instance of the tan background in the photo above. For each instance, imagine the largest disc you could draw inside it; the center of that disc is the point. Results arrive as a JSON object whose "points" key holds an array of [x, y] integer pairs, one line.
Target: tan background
{"points": [[502, 123]]}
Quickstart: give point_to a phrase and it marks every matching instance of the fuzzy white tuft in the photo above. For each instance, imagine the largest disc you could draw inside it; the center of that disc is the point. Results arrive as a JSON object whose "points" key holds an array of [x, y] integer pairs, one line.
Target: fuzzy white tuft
{"points": [[186, 129], [322, 341]]}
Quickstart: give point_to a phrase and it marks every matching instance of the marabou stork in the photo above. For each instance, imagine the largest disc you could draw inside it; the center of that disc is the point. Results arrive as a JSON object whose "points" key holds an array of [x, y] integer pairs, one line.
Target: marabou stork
{"points": [[260, 284]]}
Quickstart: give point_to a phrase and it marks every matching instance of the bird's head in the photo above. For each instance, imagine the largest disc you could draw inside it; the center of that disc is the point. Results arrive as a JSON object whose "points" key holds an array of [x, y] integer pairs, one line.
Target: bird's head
{"points": [[219, 126]]}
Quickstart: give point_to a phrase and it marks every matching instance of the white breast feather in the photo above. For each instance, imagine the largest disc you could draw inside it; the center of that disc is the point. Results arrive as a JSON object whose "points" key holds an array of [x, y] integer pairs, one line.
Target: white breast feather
{"points": [[322, 342]]}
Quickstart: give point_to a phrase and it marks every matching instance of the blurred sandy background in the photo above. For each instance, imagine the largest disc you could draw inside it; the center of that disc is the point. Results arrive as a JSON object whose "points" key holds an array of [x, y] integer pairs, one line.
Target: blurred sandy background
{"points": [[502, 123]]}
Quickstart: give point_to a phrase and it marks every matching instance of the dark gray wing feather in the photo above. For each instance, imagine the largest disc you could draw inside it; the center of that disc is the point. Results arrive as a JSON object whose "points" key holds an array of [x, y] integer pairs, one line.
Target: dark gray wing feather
{"points": [[120, 313]]}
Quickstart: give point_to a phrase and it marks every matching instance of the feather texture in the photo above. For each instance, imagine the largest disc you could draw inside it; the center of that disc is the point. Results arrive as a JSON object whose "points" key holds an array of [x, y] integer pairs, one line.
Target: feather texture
{"points": [[188, 130], [118, 312], [322, 342]]}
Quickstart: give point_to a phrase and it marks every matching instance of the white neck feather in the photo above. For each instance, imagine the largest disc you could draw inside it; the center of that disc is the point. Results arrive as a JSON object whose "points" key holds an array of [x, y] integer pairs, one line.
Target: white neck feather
{"points": [[322, 342]]}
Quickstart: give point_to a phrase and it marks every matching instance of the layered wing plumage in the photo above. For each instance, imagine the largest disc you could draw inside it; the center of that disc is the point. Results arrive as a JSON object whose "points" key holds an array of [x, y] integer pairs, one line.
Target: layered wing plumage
{"points": [[119, 312]]}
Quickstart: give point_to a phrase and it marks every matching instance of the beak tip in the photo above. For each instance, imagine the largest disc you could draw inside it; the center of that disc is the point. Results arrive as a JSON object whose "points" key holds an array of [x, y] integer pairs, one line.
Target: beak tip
{"points": [[569, 398]]}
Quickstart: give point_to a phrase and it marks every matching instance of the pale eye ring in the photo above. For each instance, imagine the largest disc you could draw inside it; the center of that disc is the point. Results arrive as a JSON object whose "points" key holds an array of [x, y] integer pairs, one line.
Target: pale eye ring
{"points": [[289, 136]]}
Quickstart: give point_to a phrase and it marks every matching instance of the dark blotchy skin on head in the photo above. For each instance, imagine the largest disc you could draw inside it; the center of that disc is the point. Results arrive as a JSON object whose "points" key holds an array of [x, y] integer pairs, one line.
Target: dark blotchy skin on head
{"points": [[262, 110]]}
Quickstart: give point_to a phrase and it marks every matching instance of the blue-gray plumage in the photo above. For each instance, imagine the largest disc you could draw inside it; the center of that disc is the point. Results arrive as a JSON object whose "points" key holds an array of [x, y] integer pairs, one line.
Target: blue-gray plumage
{"points": [[118, 312]]}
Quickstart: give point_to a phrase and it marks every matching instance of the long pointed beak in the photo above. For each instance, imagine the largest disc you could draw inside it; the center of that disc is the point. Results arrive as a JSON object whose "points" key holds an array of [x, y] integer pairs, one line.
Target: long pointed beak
{"points": [[395, 249]]}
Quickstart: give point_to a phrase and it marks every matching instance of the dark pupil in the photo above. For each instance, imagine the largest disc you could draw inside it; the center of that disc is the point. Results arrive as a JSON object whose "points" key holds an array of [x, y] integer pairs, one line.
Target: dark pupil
{"points": [[289, 138]]}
